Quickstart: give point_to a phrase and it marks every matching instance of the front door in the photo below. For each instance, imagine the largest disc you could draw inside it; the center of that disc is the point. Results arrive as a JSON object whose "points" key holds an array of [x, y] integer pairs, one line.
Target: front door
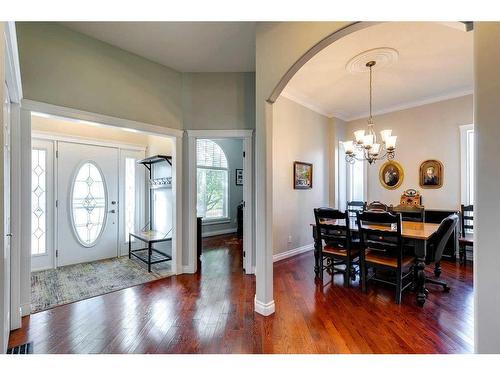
{"points": [[87, 203]]}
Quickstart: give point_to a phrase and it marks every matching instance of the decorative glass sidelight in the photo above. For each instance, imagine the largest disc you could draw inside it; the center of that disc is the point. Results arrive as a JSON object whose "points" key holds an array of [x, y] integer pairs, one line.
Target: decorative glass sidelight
{"points": [[88, 204], [38, 202], [130, 196]]}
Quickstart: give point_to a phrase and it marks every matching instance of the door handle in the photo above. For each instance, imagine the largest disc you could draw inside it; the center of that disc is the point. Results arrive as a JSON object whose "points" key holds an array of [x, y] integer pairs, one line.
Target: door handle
{"points": [[112, 211], [8, 235]]}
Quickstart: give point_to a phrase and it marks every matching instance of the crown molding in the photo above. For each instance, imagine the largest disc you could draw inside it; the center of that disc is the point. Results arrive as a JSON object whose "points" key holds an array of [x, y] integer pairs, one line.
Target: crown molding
{"points": [[413, 104], [306, 103]]}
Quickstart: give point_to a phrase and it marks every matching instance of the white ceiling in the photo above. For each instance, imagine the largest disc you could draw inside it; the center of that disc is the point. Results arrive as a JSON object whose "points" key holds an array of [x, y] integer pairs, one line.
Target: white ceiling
{"points": [[435, 63], [183, 46]]}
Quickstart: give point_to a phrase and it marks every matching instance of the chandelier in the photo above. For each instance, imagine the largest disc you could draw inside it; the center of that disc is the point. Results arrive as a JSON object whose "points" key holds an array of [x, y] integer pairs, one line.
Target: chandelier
{"points": [[366, 146]]}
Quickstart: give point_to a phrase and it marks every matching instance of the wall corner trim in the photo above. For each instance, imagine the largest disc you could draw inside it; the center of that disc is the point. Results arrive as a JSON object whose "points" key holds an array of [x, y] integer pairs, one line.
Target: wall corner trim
{"points": [[293, 252], [264, 309]]}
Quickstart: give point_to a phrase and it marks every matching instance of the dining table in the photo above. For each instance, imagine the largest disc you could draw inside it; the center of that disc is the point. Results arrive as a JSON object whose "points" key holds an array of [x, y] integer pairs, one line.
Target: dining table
{"points": [[416, 235]]}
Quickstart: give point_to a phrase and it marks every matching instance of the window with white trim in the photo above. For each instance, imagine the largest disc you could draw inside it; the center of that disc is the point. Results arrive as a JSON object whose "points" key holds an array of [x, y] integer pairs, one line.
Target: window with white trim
{"points": [[467, 163], [212, 180], [356, 180]]}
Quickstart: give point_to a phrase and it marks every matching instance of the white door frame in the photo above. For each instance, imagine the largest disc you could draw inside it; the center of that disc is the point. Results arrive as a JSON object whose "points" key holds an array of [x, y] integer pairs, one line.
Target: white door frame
{"points": [[248, 197], [24, 185], [13, 80]]}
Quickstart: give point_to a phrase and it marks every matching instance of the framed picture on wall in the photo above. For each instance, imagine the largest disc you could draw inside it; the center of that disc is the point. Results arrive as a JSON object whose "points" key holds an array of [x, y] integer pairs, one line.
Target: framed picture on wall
{"points": [[391, 175], [239, 177], [431, 174], [302, 175]]}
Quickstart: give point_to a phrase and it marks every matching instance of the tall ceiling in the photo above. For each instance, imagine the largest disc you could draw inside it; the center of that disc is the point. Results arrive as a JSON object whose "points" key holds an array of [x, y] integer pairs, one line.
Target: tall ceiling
{"points": [[183, 46], [435, 63]]}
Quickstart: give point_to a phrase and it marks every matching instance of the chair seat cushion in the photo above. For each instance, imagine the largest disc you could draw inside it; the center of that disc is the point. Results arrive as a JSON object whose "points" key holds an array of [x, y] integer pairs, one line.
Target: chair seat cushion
{"points": [[468, 239], [378, 257], [339, 251]]}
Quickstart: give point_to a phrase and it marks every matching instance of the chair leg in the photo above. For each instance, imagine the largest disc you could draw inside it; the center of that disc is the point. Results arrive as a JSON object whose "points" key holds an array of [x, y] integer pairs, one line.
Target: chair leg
{"points": [[321, 265], [437, 269], [461, 254], [362, 275], [437, 282], [347, 274], [399, 286]]}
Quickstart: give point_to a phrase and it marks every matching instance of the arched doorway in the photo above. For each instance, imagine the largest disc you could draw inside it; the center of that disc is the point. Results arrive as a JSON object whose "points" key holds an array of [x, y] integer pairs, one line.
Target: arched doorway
{"points": [[264, 303]]}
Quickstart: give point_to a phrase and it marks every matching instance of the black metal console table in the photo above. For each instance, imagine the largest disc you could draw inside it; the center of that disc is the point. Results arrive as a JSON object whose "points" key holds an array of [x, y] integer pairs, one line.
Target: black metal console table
{"points": [[148, 254]]}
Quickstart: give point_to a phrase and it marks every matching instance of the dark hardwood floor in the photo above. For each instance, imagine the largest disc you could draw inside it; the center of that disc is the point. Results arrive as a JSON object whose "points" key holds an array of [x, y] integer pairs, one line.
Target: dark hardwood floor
{"points": [[213, 313]]}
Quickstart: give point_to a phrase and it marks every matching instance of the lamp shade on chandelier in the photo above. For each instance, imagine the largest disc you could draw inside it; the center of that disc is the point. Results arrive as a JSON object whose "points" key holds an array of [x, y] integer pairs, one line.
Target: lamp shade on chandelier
{"points": [[366, 145]]}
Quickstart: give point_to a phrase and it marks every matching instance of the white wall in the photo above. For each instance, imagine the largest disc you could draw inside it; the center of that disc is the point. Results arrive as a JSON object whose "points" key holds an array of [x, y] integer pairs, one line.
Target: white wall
{"points": [[487, 204], [299, 134], [427, 132]]}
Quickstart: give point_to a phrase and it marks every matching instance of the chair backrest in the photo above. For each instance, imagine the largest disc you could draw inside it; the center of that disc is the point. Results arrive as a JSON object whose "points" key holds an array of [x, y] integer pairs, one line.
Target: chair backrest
{"points": [[410, 213], [381, 231], [355, 206], [467, 219], [442, 235], [332, 227], [377, 207]]}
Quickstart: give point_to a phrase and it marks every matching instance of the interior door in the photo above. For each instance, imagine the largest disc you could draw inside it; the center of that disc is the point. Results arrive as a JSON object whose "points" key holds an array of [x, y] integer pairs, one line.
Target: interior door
{"points": [[5, 252], [87, 203]]}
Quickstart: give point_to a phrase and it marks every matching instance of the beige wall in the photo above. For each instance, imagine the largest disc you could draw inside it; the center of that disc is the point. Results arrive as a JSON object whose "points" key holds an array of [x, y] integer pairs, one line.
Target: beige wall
{"points": [[487, 204], [62, 67], [299, 134], [427, 132], [218, 100]]}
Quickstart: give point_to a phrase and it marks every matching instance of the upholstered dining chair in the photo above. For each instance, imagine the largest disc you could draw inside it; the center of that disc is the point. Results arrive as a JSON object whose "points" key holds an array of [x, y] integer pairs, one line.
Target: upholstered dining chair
{"points": [[436, 245]]}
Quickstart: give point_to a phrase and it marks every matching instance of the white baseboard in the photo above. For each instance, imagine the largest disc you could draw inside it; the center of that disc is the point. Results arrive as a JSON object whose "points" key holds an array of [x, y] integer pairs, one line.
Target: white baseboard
{"points": [[293, 252], [26, 309], [188, 269], [264, 309], [219, 232]]}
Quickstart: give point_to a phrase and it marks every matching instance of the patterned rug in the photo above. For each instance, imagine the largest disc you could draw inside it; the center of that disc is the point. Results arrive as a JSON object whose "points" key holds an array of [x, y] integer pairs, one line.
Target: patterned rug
{"points": [[55, 287]]}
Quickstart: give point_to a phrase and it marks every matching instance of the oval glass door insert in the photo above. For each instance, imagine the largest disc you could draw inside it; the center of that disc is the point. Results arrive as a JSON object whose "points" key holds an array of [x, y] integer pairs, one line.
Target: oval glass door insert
{"points": [[88, 204]]}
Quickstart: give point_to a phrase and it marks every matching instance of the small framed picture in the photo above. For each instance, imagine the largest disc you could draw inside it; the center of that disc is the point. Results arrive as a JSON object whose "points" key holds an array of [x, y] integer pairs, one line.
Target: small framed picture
{"points": [[302, 175], [431, 174], [239, 177]]}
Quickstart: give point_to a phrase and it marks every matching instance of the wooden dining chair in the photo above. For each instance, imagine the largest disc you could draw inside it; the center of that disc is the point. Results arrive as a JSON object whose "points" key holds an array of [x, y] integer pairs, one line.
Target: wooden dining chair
{"points": [[435, 247], [410, 213], [333, 233], [382, 249], [377, 206], [353, 207], [466, 238]]}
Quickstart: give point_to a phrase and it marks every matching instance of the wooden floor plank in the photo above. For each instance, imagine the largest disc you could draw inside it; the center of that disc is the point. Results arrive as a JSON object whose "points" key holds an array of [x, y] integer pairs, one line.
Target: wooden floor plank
{"points": [[212, 312]]}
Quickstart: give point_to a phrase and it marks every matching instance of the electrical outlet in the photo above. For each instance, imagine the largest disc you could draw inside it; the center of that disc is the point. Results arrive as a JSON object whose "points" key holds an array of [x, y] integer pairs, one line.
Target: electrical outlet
{"points": [[289, 239]]}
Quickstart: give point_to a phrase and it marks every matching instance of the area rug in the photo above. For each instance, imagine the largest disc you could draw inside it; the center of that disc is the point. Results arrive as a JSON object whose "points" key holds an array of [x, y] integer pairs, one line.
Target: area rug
{"points": [[51, 288]]}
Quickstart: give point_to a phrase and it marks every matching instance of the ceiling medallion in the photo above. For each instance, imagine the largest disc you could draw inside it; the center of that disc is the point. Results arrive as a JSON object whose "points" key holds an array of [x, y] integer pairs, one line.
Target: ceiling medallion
{"points": [[383, 57]]}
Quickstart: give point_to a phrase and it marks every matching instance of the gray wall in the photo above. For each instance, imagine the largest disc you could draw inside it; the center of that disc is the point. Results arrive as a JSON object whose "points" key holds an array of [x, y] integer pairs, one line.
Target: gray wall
{"points": [[63, 67], [233, 148], [218, 100], [299, 134]]}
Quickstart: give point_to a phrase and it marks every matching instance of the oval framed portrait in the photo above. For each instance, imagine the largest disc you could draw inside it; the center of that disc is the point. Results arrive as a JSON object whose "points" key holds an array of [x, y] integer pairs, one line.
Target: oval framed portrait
{"points": [[391, 175], [431, 174]]}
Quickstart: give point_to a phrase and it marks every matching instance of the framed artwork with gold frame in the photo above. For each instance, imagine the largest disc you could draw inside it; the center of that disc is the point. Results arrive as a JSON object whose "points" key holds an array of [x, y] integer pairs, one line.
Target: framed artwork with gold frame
{"points": [[431, 174], [391, 175]]}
